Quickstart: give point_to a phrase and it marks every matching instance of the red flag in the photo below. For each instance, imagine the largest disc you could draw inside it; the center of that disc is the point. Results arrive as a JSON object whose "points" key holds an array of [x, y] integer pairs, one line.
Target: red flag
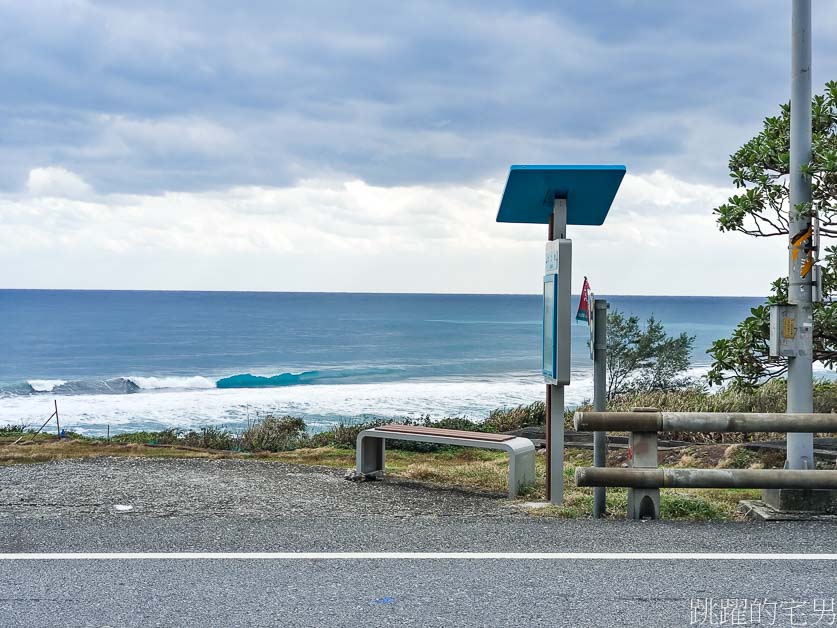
{"points": [[583, 313]]}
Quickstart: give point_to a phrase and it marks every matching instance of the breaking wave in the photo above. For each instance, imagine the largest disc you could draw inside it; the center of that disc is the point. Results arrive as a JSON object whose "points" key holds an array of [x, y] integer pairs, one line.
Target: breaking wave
{"points": [[154, 383], [248, 380], [133, 384], [44, 385]]}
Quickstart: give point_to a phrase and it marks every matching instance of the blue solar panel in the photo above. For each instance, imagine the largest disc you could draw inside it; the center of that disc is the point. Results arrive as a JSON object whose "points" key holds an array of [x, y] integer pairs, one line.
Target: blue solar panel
{"points": [[531, 191]]}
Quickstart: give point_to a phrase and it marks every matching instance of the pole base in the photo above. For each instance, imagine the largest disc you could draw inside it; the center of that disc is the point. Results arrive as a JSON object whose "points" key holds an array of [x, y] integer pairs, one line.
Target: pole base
{"points": [[801, 500], [643, 503]]}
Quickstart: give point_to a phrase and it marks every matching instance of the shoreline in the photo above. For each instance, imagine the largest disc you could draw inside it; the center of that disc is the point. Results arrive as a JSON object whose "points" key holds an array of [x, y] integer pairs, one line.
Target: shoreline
{"points": [[321, 405]]}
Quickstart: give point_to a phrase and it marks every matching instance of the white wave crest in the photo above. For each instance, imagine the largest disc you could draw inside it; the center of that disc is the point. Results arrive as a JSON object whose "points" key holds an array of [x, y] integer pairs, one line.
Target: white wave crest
{"points": [[45, 385], [319, 405], [155, 383]]}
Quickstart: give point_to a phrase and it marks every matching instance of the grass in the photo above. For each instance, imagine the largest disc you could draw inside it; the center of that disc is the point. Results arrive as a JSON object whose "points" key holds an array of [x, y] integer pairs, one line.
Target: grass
{"points": [[476, 469], [49, 449], [486, 470]]}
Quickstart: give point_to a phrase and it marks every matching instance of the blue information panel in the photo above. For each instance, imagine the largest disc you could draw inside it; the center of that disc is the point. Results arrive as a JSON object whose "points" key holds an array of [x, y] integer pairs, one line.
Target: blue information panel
{"points": [[556, 312], [550, 298]]}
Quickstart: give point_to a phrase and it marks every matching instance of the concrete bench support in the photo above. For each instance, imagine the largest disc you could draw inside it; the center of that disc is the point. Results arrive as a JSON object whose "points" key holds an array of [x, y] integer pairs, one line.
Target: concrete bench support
{"points": [[371, 449]]}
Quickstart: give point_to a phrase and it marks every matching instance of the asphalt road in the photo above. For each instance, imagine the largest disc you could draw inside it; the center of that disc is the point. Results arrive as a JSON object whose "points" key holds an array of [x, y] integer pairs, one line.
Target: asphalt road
{"points": [[392, 592], [69, 507]]}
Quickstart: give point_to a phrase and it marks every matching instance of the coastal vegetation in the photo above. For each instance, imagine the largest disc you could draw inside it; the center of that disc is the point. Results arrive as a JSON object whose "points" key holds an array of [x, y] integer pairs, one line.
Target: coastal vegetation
{"points": [[642, 359], [760, 170]]}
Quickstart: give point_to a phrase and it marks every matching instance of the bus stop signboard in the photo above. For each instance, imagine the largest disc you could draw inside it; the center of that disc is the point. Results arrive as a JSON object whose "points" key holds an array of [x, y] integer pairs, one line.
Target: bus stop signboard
{"points": [[558, 195]]}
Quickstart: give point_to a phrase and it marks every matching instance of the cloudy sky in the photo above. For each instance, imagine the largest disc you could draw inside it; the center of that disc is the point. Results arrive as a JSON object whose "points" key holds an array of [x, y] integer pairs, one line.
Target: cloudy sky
{"points": [[363, 146]]}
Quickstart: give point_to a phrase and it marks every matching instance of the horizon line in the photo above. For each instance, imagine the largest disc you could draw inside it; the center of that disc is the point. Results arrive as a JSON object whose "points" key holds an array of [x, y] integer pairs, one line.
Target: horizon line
{"points": [[381, 293]]}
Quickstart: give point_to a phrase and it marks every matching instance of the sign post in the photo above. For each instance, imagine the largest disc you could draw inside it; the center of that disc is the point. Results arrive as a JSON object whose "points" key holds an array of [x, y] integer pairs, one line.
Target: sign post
{"points": [[599, 346], [558, 196], [556, 351]]}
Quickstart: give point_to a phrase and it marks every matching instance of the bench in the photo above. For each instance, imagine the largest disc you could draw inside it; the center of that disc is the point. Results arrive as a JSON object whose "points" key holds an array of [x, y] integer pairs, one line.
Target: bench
{"points": [[371, 445]]}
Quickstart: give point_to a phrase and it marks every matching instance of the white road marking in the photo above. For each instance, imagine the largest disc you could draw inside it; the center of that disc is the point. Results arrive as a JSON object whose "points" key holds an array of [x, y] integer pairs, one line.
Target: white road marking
{"points": [[621, 556]]}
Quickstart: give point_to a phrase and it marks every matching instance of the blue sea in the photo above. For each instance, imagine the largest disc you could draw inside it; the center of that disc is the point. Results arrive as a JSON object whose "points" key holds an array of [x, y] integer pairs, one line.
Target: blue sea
{"points": [[130, 360]]}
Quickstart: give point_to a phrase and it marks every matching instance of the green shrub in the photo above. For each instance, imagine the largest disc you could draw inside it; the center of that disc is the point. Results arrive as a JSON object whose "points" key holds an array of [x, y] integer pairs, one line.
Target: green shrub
{"points": [[825, 396], [275, 434], [451, 423], [14, 430], [209, 438], [205, 437], [342, 435], [164, 437], [508, 419]]}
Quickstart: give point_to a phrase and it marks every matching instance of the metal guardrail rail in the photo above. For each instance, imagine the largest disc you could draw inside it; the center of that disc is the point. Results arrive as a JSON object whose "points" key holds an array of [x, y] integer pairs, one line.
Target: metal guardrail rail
{"points": [[655, 421], [705, 478], [644, 479]]}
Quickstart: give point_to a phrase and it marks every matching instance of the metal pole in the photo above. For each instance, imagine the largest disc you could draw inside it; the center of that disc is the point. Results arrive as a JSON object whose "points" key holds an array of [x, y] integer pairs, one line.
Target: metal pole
{"points": [[548, 404], [599, 398], [555, 442], [800, 368]]}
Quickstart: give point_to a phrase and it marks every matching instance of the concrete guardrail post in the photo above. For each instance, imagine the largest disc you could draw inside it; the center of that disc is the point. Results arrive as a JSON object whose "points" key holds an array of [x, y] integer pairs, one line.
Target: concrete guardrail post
{"points": [[643, 503]]}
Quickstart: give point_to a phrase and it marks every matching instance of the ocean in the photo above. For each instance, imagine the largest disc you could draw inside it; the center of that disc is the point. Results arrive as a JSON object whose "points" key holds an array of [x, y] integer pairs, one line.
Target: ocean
{"points": [[134, 360]]}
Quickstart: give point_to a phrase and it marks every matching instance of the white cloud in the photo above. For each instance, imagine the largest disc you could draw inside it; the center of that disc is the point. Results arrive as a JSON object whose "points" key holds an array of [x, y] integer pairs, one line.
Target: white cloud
{"points": [[56, 181], [662, 192], [660, 238], [164, 136]]}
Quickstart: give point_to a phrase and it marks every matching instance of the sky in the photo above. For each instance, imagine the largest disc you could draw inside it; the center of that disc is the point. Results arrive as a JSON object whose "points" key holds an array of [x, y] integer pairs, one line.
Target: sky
{"points": [[364, 146]]}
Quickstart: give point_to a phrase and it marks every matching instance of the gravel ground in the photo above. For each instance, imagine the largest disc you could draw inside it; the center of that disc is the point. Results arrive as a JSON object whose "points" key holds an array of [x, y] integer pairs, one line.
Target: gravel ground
{"points": [[249, 489]]}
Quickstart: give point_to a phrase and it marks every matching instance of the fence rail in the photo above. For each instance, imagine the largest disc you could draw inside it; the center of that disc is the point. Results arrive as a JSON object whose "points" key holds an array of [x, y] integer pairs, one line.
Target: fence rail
{"points": [[644, 479], [705, 478], [645, 421]]}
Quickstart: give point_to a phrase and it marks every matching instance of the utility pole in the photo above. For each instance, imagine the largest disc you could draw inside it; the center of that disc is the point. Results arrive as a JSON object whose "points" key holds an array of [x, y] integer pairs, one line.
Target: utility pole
{"points": [[801, 273]]}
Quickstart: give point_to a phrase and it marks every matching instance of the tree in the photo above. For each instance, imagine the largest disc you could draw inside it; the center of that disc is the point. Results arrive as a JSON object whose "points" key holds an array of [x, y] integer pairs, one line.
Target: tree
{"points": [[761, 169], [645, 359]]}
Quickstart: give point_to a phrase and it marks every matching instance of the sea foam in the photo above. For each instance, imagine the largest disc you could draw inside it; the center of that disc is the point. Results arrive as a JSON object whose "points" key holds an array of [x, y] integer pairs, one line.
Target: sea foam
{"points": [[320, 405], [157, 383], [45, 385]]}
